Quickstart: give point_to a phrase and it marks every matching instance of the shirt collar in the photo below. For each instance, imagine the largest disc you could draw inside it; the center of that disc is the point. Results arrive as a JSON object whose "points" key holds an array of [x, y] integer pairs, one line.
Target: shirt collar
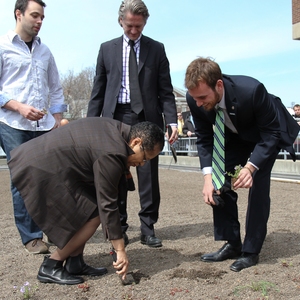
{"points": [[13, 35], [126, 38], [221, 104]]}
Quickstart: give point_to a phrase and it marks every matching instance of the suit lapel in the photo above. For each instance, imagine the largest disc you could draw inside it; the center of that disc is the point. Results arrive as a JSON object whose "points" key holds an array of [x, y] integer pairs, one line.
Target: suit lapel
{"points": [[231, 101], [144, 50], [118, 53]]}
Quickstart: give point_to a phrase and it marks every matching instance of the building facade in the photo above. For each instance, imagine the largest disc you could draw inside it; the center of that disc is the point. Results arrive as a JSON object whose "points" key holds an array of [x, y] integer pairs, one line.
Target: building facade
{"points": [[296, 19]]}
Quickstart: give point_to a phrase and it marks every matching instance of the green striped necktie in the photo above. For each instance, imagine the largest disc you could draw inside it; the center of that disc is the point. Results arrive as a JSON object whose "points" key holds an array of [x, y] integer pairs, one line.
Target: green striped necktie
{"points": [[218, 159]]}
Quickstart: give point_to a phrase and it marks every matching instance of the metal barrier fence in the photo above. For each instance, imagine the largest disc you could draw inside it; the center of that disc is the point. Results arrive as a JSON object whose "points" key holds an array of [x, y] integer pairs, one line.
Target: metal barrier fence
{"points": [[2, 153], [187, 146]]}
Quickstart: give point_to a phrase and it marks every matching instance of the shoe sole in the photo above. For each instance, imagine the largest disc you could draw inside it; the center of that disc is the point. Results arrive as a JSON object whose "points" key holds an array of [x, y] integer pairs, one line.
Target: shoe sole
{"points": [[93, 275], [212, 261], [152, 246], [49, 280], [235, 269], [37, 252]]}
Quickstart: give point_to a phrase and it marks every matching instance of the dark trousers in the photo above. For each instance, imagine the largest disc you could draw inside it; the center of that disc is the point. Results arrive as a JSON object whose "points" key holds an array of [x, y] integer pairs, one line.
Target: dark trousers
{"points": [[226, 224], [148, 184]]}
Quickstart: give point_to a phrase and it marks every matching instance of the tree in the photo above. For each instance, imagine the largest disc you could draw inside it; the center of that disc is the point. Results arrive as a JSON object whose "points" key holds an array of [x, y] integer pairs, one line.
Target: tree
{"points": [[77, 90]]}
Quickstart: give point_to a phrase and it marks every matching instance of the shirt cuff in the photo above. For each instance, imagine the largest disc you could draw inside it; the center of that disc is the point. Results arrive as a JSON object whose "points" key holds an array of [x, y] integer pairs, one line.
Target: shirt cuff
{"points": [[58, 108], [207, 170], [249, 162], [3, 100]]}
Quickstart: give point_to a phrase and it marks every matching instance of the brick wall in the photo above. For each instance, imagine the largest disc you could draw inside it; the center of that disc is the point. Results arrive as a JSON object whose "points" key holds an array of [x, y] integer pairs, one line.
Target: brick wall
{"points": [[295, 11], [296, 19]]}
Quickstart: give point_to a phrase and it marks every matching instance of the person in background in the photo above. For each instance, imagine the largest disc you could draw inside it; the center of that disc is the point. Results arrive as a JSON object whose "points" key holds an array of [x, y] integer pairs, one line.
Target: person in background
{"points": [[69, 180], [189, 131], [112, 97], [257, 126], [31, 100], [189, 127], [296, 109], [180, 124]]}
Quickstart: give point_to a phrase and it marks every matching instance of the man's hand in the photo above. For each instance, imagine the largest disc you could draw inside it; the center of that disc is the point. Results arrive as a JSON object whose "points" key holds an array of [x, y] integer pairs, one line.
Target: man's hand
{"points": [[245, 179], [174, 136], [27, 111], [208, 190], [58, 118]]}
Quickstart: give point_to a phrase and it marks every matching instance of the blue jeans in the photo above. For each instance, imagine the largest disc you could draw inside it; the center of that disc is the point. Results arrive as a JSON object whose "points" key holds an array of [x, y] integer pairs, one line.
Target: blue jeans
{"points": [[11, 138]]}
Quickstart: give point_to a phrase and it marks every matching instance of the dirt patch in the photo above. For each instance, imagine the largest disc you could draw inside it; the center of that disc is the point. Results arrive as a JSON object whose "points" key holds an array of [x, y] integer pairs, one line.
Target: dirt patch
{"points": [[208, 273], [175, 270]]}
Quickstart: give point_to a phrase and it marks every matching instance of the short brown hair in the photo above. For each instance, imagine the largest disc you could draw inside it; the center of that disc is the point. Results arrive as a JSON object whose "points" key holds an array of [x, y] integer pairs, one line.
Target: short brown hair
{"points": [[21, 5], [202, 69]]}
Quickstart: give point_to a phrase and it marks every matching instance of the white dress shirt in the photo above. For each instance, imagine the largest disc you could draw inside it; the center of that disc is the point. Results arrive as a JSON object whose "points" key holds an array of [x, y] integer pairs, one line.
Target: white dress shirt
{"points": [[31, 78], [124, 94]]}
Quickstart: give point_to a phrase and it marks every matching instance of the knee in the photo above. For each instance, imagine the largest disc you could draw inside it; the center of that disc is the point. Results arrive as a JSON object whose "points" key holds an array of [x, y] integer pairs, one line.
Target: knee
{"points": [[95, 222]]}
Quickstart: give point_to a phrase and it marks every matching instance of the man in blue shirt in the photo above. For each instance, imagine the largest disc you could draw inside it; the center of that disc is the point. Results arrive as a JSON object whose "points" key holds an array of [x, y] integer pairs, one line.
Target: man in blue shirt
{"points": [[31, 99]]}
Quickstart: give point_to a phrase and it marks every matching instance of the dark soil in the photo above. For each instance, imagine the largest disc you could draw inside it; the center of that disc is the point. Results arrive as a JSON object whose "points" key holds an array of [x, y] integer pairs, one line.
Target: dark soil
{"points": [[175, 270]]}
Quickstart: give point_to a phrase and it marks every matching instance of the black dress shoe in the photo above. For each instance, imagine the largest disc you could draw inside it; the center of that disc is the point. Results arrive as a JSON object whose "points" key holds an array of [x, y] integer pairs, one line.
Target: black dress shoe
{"points": [[226, 252], [75, 265], [126, 239], [52, 271], [151, 241], [245, 261]]}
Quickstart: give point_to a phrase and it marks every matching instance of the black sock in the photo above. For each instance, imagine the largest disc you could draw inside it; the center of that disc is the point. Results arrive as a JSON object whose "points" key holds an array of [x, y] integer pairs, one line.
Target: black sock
{"points": [[235, 243], [246, 254]]}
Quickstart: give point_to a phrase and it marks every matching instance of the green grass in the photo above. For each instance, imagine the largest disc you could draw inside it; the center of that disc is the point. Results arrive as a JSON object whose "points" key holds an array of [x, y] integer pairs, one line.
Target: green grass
{"points": [[259, 286]]}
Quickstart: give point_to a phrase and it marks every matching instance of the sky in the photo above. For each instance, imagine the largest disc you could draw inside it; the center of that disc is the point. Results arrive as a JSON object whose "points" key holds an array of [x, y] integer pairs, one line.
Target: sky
{"points": [[245, 37]]}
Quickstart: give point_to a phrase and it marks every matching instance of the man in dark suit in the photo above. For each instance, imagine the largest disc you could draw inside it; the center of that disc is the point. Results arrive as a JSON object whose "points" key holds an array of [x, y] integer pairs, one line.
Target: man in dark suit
{"points": [[69, 180], [111, 98], [189, 127], [257, 126]]}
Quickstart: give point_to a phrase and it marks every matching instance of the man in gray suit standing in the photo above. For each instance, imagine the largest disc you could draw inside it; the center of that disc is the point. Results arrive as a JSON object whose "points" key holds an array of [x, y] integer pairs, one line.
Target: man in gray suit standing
{"points": [[113, 97]]}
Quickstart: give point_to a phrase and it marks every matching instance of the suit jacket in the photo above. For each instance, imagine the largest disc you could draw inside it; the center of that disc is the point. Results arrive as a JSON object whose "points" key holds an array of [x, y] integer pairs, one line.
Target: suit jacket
{"points": [[188, 126], [258, 116], [65, 174], [154, 79]]}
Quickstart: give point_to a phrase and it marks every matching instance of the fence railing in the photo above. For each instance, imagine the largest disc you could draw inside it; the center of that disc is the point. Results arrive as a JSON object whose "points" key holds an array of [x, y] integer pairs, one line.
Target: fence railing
{"points": [[187, 146]]}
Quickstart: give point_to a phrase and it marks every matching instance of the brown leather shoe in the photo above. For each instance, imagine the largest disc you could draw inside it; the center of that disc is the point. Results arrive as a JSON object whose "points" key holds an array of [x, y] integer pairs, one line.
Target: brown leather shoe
{"points": [[48, 241], [36, 246]]}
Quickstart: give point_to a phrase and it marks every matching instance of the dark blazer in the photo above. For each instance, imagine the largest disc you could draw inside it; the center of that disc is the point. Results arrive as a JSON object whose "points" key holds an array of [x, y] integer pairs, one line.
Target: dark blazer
{"points": [[258, 116], [65, 174], [154, 78], [188, 126]]}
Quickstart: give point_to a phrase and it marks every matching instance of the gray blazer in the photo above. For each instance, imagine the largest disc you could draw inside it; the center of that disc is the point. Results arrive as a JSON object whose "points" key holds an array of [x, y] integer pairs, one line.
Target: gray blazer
{"points": [[154, 78]]}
